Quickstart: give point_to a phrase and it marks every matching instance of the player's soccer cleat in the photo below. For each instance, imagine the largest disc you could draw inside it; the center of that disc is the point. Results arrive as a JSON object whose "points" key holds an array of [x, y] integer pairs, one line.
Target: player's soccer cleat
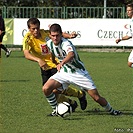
{"points": [[116, 112], [53, 113], [74, 106], [8, 53], [83, 101]]}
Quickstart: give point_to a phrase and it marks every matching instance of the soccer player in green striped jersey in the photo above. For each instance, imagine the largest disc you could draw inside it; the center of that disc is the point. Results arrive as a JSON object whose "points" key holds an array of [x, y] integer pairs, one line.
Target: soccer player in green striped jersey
{"points": [[71, 70]]}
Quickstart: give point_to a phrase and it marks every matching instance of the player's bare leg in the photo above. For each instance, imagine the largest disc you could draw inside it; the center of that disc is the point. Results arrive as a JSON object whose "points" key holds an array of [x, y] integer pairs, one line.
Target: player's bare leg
{"points": [[8, 52], [48, 88], [103, 102]]}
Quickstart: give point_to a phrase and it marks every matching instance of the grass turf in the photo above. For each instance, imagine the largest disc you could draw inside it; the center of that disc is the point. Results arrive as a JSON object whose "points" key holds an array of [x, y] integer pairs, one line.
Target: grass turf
{"points": [[24, 109]]}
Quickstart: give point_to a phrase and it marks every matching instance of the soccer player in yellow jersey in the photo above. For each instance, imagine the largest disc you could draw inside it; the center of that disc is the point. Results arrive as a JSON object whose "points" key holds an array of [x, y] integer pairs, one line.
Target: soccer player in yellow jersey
{"points": [[35, 49]]}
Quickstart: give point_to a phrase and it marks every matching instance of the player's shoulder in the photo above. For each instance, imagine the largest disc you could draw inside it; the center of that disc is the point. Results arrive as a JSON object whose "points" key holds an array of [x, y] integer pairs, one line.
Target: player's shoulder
{"points": [[27, 34], [66, 41], [49, 42], [44, 31], [45, 34]]}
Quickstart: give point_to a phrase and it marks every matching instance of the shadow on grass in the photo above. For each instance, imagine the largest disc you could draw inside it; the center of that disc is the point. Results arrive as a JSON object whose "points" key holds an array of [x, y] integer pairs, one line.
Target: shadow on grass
{"points": [[127, 112], [14, 80], [72, 118], [16, 56], [95, 112], [13, 55], [99, 112]]}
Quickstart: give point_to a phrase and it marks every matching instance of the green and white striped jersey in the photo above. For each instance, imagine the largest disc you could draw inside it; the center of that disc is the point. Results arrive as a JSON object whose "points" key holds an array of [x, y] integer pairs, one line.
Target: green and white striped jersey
{"points": [[61, 52]]}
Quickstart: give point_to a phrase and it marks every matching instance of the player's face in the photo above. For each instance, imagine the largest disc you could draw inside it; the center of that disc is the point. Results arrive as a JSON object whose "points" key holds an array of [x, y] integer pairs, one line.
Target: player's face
{"points": [[35, 30], [129, 12], [56, 37]]}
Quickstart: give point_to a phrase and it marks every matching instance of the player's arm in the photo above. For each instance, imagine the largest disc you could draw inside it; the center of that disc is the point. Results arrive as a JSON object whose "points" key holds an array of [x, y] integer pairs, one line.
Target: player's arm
{"points": [[1, 32], [31, 57], [123, 38], [69, 36], [27, 44], [67, 59], [27, 41]]}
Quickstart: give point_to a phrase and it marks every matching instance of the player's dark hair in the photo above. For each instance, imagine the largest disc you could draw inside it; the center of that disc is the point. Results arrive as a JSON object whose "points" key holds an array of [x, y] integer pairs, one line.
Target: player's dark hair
{"points": [[33, 21], [55, 28], [130, 5]]}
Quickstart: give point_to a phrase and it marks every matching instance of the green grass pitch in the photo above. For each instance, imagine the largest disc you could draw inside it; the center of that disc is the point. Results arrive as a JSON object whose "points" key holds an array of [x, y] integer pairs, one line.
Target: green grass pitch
{"points": [[24, 109]]}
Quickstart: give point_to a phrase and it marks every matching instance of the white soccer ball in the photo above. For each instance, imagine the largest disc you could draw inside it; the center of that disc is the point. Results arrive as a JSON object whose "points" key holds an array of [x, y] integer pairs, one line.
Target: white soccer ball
{"points": [[63, 109]]}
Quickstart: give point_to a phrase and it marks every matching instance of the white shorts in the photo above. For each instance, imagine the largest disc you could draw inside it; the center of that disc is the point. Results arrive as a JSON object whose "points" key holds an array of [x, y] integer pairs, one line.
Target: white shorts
{"points": [[130, 58], [80, 78]]}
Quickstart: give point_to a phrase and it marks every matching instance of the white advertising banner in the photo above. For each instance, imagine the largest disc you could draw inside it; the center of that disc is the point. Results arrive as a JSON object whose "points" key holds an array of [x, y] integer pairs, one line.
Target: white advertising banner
{"points": [[91, 32]]}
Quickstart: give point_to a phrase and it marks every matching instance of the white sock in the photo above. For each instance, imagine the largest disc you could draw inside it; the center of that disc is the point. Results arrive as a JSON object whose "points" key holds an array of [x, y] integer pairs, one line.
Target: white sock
{"points": [[108, 108], [132, 65]]}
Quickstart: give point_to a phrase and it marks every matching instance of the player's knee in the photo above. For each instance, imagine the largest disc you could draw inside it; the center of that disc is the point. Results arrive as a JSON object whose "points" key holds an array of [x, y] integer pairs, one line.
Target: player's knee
{"points": [[94, 94], [96, 98], [46, 90], [130, 64]]}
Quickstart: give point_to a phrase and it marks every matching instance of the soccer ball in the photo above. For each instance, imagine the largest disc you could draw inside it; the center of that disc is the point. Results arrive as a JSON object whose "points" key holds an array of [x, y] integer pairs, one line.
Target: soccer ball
{"points": [[63, 109]]}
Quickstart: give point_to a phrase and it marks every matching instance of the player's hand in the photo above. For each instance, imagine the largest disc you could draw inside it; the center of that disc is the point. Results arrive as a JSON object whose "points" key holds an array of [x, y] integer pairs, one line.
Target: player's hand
{"points": [[0, 32], [59, 66], [43, 64], [73, 34], [49, 25], [118, 40]]}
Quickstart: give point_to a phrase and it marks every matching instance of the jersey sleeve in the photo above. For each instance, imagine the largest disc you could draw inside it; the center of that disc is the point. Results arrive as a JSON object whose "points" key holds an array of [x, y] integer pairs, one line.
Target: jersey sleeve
{"points": [[26, 42], [67, 47]]}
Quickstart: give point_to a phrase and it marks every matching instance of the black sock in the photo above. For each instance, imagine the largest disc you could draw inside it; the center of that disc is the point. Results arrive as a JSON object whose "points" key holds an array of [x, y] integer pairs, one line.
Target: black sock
{"points": [[3, 47]]}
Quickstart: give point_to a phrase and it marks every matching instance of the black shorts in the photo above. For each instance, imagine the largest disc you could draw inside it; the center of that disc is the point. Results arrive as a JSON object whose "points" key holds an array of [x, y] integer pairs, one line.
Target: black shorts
{"points": [[47, 74], [1, 36]]}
